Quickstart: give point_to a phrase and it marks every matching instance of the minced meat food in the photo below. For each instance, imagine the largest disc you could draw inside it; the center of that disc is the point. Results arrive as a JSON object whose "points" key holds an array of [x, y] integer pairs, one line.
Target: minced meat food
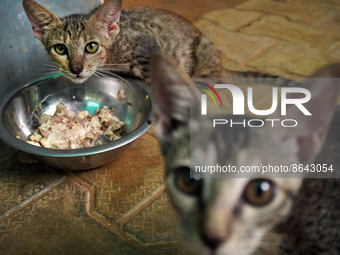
{"points": [[67, 130]]}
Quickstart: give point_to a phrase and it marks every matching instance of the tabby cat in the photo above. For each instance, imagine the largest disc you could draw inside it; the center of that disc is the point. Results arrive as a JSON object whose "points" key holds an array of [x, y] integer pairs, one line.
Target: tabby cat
{"points": [[225, 216], [123, 40]]}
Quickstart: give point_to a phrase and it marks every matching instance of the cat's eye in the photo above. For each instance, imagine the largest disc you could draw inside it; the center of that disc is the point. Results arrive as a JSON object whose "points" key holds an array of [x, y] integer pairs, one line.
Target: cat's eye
{"points": [[187, 181], [259, 192], [91, 47], [60, 49]]}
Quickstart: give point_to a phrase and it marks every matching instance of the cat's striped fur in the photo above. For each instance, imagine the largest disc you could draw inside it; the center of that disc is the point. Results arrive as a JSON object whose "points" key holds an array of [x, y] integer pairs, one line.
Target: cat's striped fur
{"points": [[126, 39]]}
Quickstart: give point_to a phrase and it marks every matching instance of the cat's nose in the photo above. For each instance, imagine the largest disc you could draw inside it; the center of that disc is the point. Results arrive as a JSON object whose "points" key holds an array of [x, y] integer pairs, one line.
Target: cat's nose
{"points": [[76, 69], [212, 242]]}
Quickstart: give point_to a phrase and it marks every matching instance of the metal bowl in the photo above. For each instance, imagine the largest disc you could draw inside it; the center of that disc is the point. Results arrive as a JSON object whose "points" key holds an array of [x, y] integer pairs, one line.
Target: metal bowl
{"points": [[20, 110]]}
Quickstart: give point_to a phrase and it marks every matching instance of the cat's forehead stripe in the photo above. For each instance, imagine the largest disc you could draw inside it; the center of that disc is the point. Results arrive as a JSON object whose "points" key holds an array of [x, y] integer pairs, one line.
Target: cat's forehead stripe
{"points": [[74, 26]]}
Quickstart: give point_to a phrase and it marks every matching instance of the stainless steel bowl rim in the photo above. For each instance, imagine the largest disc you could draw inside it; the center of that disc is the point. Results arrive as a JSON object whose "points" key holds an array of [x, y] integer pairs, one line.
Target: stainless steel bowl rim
{"points": [[16, 143]]}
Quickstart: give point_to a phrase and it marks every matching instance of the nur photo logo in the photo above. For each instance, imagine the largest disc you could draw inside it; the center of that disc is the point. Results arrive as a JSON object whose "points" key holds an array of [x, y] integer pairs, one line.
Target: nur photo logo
{"points": [[281, 99]]}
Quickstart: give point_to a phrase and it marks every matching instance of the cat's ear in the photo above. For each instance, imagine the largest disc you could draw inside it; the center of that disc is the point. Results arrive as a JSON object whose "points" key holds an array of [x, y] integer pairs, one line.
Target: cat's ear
{"points": [[170, 95], [312, 130], [39, 16], [107, 17]]}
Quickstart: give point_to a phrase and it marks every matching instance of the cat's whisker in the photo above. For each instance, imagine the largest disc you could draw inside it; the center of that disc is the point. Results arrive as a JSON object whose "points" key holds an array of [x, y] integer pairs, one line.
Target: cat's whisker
{"points": [[104, 65], [100, 74], [49, 69], [107, 74], [110, 69], [50, 64], [113, 65], [105, 71], [94, 75]]}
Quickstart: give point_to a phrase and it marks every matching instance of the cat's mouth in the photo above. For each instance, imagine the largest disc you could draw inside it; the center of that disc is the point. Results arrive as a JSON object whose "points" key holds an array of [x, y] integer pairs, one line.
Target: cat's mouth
{"points": [[76, 78], [79, 79]]}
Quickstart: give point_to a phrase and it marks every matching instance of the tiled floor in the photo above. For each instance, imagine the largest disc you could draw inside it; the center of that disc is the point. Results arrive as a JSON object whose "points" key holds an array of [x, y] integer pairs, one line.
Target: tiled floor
{"points": [[122, 208]]}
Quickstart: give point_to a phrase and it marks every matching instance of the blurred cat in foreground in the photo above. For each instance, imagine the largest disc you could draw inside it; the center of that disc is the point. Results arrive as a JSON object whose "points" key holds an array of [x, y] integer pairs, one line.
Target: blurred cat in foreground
{"points": [[223, 216]]}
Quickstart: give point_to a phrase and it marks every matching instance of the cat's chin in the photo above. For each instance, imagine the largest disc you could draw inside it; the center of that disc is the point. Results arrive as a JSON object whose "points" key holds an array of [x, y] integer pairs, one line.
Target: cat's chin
{"points": [[80, 78], [77, 80]]}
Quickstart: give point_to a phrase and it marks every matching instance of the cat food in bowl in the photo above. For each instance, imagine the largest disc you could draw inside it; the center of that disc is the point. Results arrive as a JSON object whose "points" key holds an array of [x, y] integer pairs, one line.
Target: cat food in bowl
{"points": [[31, 106], [68, 130]]}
